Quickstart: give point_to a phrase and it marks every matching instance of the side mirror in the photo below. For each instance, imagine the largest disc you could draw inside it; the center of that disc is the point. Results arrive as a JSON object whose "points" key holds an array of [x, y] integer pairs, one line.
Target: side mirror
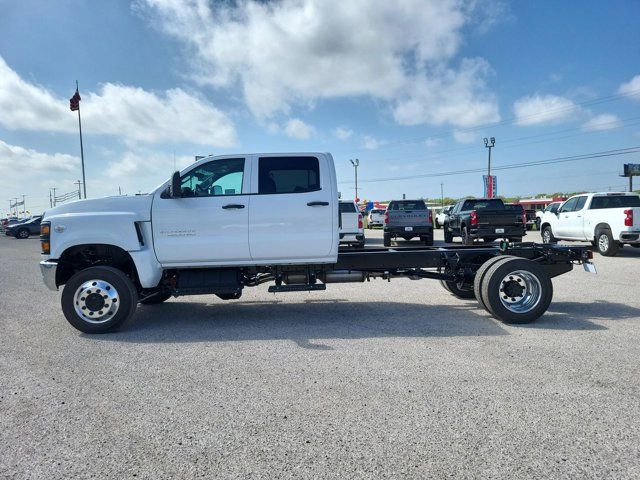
{"points": [[176, 190]]}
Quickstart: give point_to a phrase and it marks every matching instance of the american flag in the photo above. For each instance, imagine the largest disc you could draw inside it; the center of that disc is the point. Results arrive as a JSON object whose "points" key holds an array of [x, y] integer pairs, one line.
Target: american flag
{"points": [[74, 102]]}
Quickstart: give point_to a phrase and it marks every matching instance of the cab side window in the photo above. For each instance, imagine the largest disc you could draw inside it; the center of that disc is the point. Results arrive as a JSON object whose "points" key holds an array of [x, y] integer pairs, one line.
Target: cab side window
{"points": [[215, 178], [580, 203], [569, 205], [288, 175]]}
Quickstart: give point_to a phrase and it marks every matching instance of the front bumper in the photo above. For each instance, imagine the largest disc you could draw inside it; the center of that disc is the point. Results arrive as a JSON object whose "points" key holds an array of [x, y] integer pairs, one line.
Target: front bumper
{"points": [[48, 269]]}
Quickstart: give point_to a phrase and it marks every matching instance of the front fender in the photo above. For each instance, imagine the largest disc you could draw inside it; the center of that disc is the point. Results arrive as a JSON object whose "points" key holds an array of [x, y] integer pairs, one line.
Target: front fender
{"points": [[113, 228]]}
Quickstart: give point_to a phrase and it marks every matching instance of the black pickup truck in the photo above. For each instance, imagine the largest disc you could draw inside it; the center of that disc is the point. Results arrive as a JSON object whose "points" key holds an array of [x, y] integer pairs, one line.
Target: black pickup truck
{"points": [[485, 218]]}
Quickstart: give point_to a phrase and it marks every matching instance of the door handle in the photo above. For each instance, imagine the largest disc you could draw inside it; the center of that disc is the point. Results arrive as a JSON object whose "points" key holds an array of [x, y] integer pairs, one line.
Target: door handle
{"points": [[233, 205], [318, 204]]}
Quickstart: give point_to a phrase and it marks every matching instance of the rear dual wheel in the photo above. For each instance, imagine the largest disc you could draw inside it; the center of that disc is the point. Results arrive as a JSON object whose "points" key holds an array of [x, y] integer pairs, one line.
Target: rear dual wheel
{"points": [[514, 290]]}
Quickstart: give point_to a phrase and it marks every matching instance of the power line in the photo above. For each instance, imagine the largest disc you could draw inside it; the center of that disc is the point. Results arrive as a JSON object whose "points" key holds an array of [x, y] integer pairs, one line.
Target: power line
{"points": [[572, 158], [509, 120]]}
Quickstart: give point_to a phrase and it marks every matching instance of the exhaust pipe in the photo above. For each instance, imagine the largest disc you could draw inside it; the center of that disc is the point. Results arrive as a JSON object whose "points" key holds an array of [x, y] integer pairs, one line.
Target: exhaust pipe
{"points": [[333, 276]]}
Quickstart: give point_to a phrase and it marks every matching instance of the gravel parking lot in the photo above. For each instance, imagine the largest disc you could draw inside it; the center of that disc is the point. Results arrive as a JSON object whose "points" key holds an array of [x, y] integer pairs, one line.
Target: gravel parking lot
{"points": [[380, 380]]}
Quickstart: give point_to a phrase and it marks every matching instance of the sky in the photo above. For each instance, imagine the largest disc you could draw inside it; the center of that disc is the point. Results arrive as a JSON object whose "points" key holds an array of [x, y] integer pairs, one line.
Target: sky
{"points": [[409, 88]]}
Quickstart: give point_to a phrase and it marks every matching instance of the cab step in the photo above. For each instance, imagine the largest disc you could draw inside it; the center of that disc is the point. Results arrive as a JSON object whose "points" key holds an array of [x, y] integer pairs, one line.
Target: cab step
{"points": [[297, 288]]}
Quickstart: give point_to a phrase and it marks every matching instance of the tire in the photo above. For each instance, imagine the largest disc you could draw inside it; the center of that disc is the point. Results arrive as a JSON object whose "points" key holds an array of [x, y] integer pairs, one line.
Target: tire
{"points": [[22, 234], [466, 239], [457, 291], [386, 240], [448, 236], [635, 245], [428, 240], [360, 245], [605, 243], [436, 223], [547, 235], [156, 299], [480, 275], [229, 296], [99, 282], [538, 224], [529, 284]]}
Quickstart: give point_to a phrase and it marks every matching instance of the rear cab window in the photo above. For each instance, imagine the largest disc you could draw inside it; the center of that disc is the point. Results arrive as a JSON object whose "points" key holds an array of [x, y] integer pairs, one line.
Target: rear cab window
{"points": [[348, 207], [407, 205], [615, 201], [493, 204], [277, 175]]}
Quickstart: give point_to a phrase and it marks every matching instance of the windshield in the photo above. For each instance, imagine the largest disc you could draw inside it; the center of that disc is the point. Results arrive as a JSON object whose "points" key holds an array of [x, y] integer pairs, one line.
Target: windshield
{"points": [[493, 204], [408, 205]]}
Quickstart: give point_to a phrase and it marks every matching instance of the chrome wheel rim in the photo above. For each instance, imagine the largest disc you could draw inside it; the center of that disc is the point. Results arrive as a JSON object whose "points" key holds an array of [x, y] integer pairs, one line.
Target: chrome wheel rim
{"points": [[603, 242], [96, 301], [546, 236], [23, 234], [520, 291]]}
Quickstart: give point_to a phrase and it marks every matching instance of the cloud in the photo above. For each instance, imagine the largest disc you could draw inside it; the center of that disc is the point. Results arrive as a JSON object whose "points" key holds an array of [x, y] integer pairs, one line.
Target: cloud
{"points": [[371, 143], [30, 172], [136, 165], [431, 142], [342, 133], [632, 87], [294, 52], [464, 137], [605, 121], [131, 113], [541, 109], [296, 128]]}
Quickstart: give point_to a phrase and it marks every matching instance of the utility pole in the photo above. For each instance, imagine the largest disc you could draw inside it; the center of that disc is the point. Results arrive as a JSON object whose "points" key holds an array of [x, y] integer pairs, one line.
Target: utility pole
{"points": [[24, 207], [490, 143], [50, 200], [355, 164], [15, 204], [54, 196], [79, 194], [442, 194]]}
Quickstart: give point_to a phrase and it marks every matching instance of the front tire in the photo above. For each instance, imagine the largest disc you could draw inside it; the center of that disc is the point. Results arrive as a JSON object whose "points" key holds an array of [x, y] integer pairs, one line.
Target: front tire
{"points": [[386, 239], [605, 243], [458, 290], [547, 235], [99, 299], [448, 236], [22, 234]]}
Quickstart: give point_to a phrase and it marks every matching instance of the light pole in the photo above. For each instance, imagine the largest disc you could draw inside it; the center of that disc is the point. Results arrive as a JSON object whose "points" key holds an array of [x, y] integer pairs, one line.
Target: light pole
{"points": [[490, 143], [442, 194], [355, 164]]}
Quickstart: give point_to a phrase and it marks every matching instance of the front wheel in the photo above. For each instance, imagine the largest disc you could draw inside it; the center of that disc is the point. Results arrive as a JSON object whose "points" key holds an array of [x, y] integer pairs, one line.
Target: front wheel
{"points": [[386, 240], [22, 234], [458, 289], [448, 236], [99, 299], [437, 224], [547, 235]]}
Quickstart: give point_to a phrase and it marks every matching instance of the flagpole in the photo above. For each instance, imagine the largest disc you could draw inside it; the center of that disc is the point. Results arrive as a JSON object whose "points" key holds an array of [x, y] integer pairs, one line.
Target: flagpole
{"points": [[84, 181]]}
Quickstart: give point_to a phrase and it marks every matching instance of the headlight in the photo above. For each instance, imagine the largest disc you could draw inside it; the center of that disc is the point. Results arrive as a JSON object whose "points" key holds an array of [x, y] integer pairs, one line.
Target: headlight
{"points": [[45, 233]]}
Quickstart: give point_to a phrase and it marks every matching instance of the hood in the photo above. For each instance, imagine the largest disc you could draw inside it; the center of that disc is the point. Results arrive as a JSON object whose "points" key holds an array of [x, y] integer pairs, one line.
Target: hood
{"points": [[138, 205]]}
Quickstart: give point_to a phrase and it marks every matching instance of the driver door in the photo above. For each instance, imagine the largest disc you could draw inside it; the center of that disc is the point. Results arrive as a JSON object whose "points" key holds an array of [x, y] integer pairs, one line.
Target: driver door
{"points": [[209, 225], [565, 219]]}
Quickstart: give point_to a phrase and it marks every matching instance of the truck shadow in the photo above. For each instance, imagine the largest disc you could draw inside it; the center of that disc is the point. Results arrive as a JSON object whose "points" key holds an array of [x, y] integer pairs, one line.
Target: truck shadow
{"points": [[572, 315], [308, 322]]}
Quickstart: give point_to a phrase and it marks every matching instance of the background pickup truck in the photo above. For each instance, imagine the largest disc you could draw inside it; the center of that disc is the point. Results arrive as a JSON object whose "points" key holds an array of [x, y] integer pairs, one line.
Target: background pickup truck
{"points": [[485, 218], [351, 224], [408, 219], [607, 220]]}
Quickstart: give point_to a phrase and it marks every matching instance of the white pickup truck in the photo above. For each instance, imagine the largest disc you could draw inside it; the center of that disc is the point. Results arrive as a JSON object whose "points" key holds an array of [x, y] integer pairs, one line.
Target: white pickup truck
{"points": [[607, 220], [236, 221]]}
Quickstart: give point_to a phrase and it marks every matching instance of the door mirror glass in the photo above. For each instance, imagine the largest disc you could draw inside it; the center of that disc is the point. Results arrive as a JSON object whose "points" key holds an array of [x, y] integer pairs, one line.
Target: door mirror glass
{"points": [[175, 191]]}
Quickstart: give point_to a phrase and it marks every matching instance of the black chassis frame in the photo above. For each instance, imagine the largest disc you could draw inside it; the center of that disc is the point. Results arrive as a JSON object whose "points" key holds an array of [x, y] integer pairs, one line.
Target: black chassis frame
{"points": [[453, 264]]}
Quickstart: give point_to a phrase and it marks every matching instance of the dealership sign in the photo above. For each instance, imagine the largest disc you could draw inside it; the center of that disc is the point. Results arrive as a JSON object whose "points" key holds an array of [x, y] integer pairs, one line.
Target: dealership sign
{"points": [[632, 169], [490, 186]]}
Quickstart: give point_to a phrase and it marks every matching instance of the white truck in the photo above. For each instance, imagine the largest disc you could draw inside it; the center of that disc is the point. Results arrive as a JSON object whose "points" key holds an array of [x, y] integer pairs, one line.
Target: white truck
{"points": [[350, 224], [235, 221], [608, 220]]}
